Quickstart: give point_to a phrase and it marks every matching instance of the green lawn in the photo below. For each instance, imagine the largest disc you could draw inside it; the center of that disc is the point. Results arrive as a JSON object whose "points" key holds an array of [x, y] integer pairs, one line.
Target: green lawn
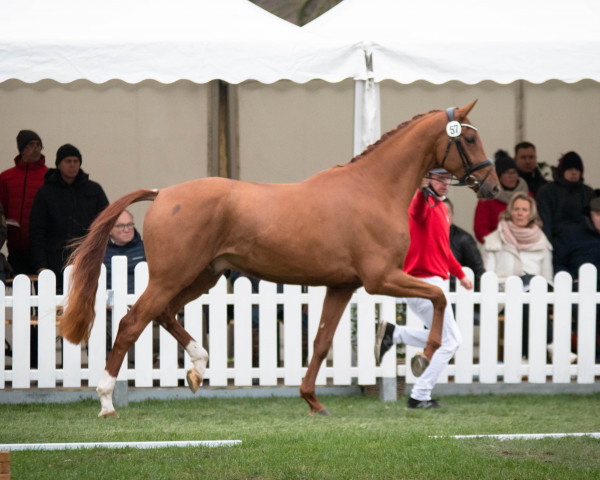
{"points": [[362, 439]]}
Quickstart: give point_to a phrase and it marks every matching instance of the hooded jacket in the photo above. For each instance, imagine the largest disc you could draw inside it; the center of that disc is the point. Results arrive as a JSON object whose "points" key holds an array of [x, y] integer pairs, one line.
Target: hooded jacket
{"points": [[18, 186], [61, 213]]}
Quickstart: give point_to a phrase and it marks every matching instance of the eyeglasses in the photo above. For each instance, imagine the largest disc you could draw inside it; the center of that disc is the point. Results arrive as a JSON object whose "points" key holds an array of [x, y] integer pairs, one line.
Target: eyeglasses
{"points": [[124, 226]]}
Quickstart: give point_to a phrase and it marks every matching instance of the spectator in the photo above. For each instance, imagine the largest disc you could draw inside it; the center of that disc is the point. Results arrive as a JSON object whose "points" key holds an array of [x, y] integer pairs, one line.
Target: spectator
{"points": [[519, 247], [464, 247], [18, 186], [125, 240], [2, 240], [63, 209], [591, 254], [526, 160], [561, 204], [487, 211], [429, 258]]}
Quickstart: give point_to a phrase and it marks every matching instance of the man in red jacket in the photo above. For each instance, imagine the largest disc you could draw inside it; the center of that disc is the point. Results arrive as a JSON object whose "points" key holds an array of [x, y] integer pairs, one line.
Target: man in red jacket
{"points": [[430, 259], [18, 186]]}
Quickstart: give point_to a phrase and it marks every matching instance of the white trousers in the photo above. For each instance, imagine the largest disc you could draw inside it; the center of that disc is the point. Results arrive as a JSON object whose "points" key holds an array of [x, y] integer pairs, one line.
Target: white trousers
{"points": [[417, 337]]}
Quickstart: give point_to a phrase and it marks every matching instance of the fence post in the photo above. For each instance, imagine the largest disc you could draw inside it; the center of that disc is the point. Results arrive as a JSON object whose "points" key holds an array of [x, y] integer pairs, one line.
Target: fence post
{"points": [[586, 326], [488, 330], [47, 329], [21, 362], [242, 331]]}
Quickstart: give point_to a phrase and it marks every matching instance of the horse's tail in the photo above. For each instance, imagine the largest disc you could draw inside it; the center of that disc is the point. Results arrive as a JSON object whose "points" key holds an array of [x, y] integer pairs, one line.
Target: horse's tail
{"points": [[78, 316]]}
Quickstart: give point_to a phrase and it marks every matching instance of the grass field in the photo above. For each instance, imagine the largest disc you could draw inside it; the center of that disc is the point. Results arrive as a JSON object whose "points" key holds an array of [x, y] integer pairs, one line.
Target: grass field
{"points": [[362, 439]]}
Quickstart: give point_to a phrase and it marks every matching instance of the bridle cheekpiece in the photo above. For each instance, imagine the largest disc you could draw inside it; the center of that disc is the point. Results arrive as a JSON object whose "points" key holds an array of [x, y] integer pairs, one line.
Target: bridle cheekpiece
{"points": [[454, 131]]}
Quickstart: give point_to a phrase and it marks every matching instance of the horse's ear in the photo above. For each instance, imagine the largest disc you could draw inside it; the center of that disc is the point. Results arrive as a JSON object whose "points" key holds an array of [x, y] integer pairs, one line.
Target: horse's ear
{"points": [[464, 111]]}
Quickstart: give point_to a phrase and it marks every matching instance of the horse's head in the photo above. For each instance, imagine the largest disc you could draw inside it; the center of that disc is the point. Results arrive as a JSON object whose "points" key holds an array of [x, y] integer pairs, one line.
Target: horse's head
{"points": [[460, 151]]}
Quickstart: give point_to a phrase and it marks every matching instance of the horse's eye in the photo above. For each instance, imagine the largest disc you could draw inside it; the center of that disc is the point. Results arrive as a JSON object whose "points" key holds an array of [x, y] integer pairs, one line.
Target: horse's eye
{"points": [[470, 140]]}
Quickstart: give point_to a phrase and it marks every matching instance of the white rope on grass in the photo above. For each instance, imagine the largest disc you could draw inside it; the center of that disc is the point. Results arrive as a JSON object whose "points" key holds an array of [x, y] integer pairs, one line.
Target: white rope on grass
{"points": [[139, 445], [524, 436]]}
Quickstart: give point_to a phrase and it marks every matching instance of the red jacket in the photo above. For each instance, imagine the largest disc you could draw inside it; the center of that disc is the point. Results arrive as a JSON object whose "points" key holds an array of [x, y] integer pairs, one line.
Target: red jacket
{"points": [[429, 254], [487, 213], [18, 186]]}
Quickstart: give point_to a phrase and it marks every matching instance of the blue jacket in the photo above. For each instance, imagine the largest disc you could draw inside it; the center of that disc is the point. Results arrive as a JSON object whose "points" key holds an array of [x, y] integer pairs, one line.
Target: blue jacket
{"points": [[134, 251]]}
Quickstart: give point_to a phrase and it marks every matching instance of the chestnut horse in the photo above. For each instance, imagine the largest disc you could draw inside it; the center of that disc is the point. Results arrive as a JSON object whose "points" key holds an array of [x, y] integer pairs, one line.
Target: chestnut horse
{"points": [[344, 228]]}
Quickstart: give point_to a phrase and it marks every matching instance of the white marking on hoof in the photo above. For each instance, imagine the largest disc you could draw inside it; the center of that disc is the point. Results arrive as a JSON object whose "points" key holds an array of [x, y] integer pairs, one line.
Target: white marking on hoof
{"points": [[105, 389], [104, 414], [199, 358]]}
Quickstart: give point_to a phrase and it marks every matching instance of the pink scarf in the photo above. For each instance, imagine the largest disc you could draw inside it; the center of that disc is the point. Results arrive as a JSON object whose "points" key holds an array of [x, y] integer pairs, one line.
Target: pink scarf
{"points": [[524, 238]]}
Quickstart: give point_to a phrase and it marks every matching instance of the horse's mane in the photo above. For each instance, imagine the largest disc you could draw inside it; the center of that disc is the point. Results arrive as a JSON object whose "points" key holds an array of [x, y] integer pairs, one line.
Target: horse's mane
{"points": [[389, 134]]}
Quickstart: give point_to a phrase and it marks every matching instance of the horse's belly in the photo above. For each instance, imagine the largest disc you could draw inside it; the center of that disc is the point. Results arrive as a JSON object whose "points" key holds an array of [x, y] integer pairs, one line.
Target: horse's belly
{"points": [[293, 267]]}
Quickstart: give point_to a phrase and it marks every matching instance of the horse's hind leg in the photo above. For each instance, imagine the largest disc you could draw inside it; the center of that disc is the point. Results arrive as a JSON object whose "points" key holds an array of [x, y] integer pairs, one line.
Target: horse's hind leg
{"points": [[333, 307], [197, 353], [131, 326]]}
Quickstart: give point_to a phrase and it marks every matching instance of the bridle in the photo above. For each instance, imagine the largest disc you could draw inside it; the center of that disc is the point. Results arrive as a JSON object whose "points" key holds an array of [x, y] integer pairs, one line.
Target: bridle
{"points": [[454, 130]]}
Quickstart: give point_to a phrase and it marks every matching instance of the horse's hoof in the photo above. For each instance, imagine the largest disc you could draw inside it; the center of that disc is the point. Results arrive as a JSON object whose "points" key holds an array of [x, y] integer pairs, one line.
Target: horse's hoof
{"points": [[111, 413], [418, 364], [194, 380]]}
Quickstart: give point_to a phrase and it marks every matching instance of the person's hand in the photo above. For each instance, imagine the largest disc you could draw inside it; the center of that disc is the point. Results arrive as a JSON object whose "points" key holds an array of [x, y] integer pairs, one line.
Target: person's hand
{"points": [[466, 283], [425, 182]]}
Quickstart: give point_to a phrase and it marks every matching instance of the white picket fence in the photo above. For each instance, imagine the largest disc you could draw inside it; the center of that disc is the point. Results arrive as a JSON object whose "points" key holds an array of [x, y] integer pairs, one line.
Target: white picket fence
{"points": [[280, 343]]}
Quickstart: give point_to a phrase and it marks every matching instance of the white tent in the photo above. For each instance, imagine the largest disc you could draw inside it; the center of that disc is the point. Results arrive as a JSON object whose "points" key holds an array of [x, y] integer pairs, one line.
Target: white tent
{"points": [[163, 40], [471, 40], [465, 40]]}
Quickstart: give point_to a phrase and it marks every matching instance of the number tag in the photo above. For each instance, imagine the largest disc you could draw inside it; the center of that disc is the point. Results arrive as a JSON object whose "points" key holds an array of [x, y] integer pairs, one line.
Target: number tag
{"points": [[453, 129]]}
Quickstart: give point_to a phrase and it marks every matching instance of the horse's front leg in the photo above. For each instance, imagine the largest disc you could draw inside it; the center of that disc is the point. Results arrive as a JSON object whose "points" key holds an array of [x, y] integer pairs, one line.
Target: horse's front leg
{"points": [[333, 307], [400, 284]]}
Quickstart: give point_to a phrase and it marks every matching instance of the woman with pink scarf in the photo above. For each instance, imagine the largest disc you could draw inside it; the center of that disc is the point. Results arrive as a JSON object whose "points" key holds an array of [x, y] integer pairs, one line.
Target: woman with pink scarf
{"points": [[518, 246]]}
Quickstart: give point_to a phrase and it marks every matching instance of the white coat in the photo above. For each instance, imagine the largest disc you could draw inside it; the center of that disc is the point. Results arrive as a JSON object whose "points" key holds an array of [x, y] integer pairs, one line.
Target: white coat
{"points": [[505, 260]]}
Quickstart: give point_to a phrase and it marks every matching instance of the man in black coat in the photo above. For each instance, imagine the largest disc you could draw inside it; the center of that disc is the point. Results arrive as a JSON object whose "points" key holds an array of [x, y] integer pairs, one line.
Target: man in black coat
{"points": [[63, 210], [464, 248], [561, 205]]}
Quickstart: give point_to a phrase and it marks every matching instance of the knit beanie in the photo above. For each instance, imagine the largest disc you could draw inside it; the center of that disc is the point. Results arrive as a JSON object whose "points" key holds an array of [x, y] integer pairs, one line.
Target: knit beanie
{"points": [[568, 161], [503, 162], [67, 150], [26, 136]]}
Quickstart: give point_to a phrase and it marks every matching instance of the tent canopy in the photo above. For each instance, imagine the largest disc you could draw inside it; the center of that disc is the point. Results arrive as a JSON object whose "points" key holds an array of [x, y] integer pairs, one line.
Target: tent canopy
{"points": [[471, 40], [164, 40]]}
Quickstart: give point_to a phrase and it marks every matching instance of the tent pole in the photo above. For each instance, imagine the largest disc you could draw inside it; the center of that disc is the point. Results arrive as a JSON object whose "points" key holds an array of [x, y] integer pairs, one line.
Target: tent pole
{"points": [[367, 108], [520, 111]]}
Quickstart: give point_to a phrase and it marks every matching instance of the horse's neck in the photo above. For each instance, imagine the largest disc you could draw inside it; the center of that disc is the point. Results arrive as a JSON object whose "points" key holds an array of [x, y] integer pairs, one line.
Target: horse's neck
{"points": [[398, 165]]}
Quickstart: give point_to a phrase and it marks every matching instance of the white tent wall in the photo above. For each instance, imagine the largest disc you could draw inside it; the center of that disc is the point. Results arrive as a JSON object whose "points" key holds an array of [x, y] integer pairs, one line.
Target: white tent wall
{"points": [[147, 135], [291, 131]]}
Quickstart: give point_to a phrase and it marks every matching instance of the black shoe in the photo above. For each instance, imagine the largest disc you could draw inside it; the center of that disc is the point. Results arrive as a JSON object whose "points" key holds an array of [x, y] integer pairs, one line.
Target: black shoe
{"points": [[412, 403], [384, 340]]}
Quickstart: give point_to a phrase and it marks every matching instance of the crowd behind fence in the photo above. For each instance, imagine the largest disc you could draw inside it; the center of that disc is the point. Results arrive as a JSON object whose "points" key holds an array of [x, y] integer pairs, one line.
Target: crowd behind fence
{"points": [[490, 321]]}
